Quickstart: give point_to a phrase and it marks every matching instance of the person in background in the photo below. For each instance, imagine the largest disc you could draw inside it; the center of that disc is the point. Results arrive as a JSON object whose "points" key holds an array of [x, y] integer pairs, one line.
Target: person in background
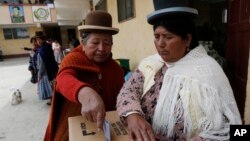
{"points": [[75, 42], [57, 51], [180, 93], [47, 67], [33, 60], [49, 41], [1, 54], [88, 80]]}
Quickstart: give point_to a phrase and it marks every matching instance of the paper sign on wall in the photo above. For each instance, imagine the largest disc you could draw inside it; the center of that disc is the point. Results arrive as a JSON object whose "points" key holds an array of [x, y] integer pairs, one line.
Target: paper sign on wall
{"points": [[41, 14]]}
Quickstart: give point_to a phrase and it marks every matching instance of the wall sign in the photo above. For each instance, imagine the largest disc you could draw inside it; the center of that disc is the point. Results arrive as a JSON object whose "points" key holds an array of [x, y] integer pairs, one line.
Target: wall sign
{"points": [[16, 14], [41, 14]]}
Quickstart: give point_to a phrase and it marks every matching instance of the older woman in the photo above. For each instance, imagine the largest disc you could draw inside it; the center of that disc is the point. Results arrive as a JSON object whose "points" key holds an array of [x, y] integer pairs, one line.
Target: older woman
{"points": [[180, 93], [88, 80]]}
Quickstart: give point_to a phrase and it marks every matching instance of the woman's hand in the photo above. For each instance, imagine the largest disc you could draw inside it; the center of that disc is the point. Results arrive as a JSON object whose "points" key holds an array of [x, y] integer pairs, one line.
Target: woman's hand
{"points": [[139, 129], [93, 108]]}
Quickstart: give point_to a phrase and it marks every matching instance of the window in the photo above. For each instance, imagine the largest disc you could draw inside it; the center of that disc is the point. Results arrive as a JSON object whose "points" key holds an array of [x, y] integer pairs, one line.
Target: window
{"points": [[101, 5], [15, 33], [125, 9], [7, 33]]}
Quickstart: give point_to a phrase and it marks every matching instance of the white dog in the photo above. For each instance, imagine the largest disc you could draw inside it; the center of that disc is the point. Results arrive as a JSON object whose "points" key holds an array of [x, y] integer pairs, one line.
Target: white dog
{"points": [[16, 97]]}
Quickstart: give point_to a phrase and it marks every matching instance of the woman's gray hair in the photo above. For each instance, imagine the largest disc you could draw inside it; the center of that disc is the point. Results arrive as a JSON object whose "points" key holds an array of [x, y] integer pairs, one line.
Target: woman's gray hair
{"points": [[85, 37]]}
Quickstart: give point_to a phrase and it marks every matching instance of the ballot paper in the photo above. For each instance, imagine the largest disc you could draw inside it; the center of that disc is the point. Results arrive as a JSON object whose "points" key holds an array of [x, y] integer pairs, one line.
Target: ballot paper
{"points": [[81, 129], [106, 130]]}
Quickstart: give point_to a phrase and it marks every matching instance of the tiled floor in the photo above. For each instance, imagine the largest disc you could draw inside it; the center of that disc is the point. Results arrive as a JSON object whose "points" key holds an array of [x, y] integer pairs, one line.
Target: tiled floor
{"points": [[26, 121]]}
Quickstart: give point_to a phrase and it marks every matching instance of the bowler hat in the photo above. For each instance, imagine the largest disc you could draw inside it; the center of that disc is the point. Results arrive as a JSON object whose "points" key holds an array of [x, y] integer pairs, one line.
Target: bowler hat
{"points": [[39, 34], [171, 8], [98, 21]]}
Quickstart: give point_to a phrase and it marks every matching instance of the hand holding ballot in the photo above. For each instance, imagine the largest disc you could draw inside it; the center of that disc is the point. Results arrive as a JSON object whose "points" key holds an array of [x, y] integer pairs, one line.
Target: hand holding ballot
{"points": [[93, 108]]}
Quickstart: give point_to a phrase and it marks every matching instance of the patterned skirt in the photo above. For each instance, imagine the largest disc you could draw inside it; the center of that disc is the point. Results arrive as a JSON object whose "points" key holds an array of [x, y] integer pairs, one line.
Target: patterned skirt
{"points": [[44, 88]]}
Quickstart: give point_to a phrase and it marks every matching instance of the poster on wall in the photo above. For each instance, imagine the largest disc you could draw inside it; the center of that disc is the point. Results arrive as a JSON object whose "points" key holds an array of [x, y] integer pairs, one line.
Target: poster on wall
{"points": [[41, 14], [16, 14]]}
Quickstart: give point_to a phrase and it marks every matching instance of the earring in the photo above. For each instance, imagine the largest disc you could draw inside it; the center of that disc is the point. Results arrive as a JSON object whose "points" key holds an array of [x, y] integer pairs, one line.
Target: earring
{"points": [[187, 49]]}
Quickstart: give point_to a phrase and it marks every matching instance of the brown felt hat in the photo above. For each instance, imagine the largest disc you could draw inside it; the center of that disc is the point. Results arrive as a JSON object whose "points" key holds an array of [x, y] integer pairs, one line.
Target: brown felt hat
{"points": [[39, 34], [98, 21]]}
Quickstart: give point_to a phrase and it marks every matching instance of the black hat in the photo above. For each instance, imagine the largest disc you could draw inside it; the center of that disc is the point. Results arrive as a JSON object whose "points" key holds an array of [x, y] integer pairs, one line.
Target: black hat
{"points": [[98, 21], [39, 34], [171, 8]]}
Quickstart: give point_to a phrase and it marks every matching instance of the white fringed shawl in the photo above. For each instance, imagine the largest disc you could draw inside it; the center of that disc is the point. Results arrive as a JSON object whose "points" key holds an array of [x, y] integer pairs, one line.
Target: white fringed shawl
{"points": [[205, 96]]}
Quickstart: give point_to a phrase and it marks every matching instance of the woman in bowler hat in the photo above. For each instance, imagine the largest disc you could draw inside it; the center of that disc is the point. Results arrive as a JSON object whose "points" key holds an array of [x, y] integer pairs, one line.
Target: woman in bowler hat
{"points": [[47, 67], [88, 80], [180, 93]]}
